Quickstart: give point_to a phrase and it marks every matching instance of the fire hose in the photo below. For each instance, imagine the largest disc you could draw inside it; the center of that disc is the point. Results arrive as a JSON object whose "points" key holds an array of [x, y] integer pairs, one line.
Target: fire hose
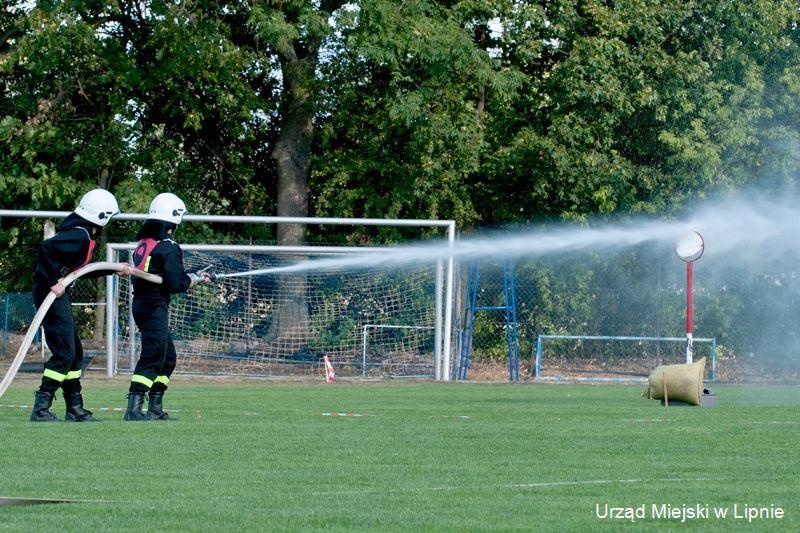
{"points": [[45, 307]]}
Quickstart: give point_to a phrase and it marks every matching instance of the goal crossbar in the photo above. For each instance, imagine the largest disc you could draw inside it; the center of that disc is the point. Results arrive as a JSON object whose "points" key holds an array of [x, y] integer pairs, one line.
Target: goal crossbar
{"points": [[237, 219]]}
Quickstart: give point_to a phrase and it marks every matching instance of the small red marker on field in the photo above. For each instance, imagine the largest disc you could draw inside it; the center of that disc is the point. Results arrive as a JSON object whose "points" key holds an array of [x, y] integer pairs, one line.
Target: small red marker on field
{"points": [[330, 373]]}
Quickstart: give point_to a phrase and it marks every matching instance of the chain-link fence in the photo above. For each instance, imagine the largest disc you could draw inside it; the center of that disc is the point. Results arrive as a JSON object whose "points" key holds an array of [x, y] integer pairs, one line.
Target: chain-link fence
{"points": [[88, 301], [17, 312], [750, 311]]}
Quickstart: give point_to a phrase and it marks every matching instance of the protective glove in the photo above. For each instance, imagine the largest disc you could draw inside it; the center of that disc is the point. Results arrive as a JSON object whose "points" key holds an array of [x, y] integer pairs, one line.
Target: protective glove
{"points": [[199, 278], [58, 289]]}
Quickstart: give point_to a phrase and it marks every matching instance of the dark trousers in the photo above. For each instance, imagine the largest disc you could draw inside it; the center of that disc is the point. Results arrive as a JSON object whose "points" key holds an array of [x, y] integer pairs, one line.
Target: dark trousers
{"points": [[63, 369], [158, 357]]}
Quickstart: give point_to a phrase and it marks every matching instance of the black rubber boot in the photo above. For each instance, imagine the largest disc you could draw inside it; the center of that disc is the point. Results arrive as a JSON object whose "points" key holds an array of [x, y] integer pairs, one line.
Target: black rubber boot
{"points": [[41, 406], [155, 408], [134, 412], [75, 410]]}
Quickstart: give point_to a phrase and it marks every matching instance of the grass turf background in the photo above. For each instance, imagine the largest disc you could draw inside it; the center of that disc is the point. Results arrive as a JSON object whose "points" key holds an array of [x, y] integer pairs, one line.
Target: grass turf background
{"points": [[424, 456]]}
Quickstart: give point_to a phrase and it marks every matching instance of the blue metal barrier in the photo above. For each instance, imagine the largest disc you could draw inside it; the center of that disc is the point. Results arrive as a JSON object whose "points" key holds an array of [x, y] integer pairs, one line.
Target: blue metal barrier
{"points": [[18, 311], [6, 313], [509, 309]]}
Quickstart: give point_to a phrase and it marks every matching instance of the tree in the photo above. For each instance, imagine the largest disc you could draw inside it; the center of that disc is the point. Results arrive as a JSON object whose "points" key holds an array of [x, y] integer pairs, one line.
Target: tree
{"points": [[638, 106], [405, 110]]}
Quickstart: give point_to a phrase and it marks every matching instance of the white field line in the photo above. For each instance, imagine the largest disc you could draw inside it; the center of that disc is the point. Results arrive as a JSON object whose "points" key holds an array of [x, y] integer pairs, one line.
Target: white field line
{"points": [[119, 409], [533, 485], [751, 422]]}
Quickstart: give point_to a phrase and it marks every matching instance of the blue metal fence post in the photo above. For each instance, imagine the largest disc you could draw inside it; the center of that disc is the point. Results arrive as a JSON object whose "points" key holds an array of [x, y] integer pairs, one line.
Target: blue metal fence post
{"points": [[508, 322], [514, 321], [473, 275], [538, 368], [510, 301], [714, 360]]}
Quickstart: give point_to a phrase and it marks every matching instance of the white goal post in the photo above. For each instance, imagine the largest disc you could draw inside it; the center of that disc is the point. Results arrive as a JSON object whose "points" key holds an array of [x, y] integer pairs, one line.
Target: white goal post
{"points": [[227, 327]]}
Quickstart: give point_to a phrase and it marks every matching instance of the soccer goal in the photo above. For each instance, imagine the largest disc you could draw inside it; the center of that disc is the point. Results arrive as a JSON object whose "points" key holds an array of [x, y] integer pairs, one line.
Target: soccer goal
{"points": [[613, 358], [381, 320]]}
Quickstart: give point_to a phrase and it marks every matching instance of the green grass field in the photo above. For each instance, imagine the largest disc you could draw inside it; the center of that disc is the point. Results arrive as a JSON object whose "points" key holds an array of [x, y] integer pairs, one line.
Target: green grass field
{"points": [[424, 456]]}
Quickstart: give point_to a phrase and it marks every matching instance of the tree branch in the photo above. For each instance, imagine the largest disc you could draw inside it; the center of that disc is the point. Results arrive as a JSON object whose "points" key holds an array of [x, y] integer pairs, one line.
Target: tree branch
{"points": [[81, 91], [285, 48]]}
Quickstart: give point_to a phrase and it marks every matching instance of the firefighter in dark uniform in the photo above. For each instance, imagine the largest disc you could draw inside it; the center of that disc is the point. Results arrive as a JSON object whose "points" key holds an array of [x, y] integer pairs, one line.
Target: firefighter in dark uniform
{"points": [[69, 249], [158, 254]]}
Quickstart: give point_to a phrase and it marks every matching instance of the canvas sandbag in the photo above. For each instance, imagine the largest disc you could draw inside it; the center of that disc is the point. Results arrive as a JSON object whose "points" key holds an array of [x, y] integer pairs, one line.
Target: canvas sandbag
{"points": [[684, 382]]}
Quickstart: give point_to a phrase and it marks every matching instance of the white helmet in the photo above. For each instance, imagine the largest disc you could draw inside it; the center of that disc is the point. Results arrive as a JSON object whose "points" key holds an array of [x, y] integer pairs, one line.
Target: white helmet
{"points": [[167, 207], [97, 206]]}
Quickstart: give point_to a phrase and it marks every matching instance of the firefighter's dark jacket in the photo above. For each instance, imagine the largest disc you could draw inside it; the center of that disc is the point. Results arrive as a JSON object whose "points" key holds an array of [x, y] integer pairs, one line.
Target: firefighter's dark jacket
{"points": [[66, 251], [166, 260]]}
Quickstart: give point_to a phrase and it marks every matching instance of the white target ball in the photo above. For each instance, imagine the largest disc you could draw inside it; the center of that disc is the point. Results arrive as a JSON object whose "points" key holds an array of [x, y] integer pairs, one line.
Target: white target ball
{"points": [[689, 246]]}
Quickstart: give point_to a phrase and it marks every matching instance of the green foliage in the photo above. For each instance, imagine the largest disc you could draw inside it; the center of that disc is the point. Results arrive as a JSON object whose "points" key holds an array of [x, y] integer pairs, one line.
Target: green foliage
{"points": [[486, 112], [639, 105], [406, 123]]}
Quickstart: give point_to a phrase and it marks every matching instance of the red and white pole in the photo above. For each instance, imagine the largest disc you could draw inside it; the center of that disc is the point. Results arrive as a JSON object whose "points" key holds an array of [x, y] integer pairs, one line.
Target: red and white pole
{"points": [[689, 308], [689, 248]]}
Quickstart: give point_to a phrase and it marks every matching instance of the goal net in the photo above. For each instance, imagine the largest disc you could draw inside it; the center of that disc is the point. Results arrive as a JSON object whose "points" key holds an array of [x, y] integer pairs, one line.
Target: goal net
{"points": [[375, 321]]}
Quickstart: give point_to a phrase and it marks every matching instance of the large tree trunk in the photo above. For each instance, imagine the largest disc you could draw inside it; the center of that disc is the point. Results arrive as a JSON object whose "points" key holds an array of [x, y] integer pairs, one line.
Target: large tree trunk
{"points": [[292, 154]]}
